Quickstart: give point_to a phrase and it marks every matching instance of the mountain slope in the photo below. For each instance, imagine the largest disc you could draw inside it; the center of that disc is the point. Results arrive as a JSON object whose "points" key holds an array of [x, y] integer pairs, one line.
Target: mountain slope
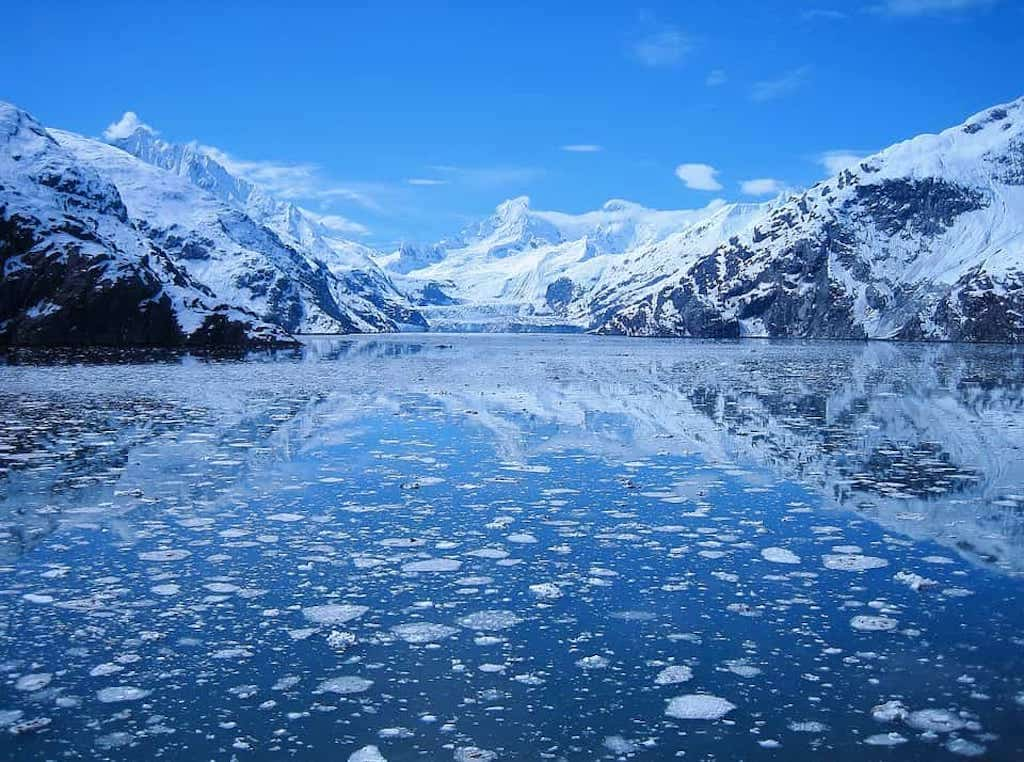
{"points": [[924, 240], [75, 270], [364, 297], [530, 269]]}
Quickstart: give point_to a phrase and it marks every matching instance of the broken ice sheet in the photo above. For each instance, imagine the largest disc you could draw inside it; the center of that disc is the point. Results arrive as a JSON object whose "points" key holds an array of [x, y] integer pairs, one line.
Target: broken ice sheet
{"points": [[669, 547]]}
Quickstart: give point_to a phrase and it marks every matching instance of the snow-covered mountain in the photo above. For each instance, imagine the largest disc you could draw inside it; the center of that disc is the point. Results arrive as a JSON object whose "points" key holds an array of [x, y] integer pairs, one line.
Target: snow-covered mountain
{"points": [[531, 269], [339, 271], [924, 240], [77, 270]]}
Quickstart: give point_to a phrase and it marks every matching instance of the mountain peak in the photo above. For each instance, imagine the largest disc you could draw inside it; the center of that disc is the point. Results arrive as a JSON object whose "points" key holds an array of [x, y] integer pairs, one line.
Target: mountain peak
{"points": [[126, 126], [513, 207]]}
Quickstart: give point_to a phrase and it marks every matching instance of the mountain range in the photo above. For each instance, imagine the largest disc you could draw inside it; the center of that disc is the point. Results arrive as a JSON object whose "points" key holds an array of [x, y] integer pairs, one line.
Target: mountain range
{"points": [[131, 239]]}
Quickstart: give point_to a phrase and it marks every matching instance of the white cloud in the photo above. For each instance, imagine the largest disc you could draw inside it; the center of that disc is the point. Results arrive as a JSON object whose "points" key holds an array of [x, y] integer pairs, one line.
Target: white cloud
{"points": [[338, 224], [292, 181], [126, 126], [664, 47], [823, 14], [583, 148], [762, 186], [425, 181], [770, 89], [715, 78], [837, 160], [927, 7], [698, 176]]}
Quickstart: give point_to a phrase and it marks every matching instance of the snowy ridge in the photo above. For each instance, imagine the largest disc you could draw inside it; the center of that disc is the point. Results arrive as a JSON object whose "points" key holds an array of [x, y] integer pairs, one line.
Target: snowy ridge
{"points": [[523, 268], [921, 241], [77, 271], [361, 291]]}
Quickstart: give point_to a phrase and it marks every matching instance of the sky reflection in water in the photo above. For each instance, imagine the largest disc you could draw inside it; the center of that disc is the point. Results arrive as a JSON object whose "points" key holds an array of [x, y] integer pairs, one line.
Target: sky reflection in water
{"points": [[492, 547]]}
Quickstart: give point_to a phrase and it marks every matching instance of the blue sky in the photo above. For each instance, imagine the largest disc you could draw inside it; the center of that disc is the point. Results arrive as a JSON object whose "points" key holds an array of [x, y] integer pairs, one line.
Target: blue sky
{"points": [[406, 120]]}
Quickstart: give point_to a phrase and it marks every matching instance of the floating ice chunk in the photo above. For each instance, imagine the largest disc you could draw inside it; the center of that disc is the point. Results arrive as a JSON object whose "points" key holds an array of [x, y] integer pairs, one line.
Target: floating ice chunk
{"points": [[334, 613], [620, 745], [29, 726], [492, 553], [809, 726], [890, 711], [741, 668], [698, 706], [366, 754], [913, 581], [37, 598], [592, 662], [780, 556], [165, 555], [222, 587], [121, 693], [102, 670], [474, 754], [934, 720], [633, 616], [522, 538], [344, 685], [490, 619], [423, 632], [9, 717], [868, 623], [340, 640], [168, 589], [33, 682], [546, 590], [286, 518], [965, 748], [433, 565], [885, 739], [677, 673], [853, 562], [236, 652]]}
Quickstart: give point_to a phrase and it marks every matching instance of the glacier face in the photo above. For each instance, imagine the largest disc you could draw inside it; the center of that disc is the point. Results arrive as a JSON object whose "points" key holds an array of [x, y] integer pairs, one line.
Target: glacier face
{"points": [[523, 268]]}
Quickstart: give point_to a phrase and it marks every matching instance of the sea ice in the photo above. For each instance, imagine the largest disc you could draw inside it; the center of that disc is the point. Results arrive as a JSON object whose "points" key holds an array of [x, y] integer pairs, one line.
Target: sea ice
{"points": [[698, 706]]}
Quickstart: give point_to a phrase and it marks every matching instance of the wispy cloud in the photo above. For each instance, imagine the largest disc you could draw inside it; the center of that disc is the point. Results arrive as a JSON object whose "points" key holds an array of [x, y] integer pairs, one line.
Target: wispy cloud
{"points": [[338, 224], [293, 181], [715, 78], [837, 160], [698, 177], [762, 186], [426, 181], [823, 14], [770, 89], [664, 46], [931, 7], [583, 148]]}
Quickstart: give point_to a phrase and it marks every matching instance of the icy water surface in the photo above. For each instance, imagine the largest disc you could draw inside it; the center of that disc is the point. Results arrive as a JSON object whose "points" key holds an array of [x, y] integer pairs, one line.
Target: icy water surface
{"points": [[514, 548]]}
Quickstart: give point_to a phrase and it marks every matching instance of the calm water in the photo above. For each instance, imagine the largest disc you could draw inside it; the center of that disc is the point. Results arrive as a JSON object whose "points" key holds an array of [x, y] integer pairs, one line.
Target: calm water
{"points": [[490, 548]]}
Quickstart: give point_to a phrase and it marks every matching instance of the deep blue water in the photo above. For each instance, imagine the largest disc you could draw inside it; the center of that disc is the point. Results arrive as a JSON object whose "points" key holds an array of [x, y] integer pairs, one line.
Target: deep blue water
{"points": [[823, 539]]}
